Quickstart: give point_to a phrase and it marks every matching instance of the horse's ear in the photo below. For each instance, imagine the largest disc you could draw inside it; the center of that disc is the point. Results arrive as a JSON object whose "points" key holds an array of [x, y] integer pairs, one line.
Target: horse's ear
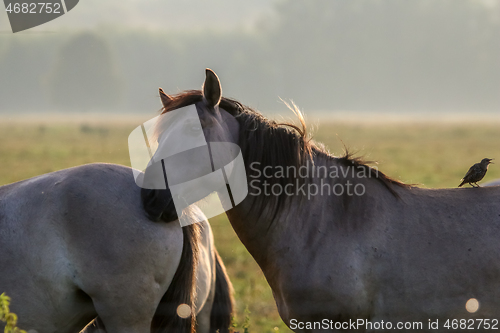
{"points": [[165, 99], [212, 90]]}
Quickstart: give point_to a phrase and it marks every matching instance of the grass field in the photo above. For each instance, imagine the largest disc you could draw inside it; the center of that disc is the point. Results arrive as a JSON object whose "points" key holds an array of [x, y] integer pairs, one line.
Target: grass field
{"points": [[431, 155]]}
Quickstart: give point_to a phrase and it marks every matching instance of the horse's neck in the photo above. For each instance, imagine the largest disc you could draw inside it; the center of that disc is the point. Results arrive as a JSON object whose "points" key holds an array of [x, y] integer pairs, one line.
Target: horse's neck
{"points": [[263, 232]]}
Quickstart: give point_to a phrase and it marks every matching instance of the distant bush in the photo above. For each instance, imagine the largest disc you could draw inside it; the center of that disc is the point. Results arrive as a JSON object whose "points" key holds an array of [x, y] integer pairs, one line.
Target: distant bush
{"points": [[85, 76]]}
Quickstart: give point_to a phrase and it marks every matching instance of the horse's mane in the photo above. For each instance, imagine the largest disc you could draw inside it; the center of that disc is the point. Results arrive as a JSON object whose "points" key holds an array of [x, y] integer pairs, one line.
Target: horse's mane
{"points": [[278, 144]]}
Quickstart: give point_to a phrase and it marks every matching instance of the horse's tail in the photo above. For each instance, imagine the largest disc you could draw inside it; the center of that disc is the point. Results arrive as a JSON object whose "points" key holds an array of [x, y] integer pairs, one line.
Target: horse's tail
{"points": [[159, 206], [222, 308], [169, 317]]}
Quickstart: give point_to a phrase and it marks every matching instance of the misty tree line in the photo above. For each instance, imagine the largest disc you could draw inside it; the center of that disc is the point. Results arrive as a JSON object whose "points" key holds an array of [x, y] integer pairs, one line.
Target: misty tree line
{"points": [[323, 54]]}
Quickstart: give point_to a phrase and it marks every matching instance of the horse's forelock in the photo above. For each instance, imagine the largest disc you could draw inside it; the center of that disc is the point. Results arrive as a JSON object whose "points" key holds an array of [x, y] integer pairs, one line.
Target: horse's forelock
{"points": [[183, 99], [189, 97]]}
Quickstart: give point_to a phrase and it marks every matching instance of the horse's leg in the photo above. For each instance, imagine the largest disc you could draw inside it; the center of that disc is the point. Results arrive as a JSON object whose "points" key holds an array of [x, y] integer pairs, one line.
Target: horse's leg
{"points": [[203, 317], [128, 308], [216, 314], [124, 318], [223, 303], [205, 279], [214, 288]]}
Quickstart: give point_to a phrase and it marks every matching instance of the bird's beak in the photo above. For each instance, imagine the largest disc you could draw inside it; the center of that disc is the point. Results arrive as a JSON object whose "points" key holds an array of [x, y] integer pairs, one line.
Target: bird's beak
{"points": [[490, 161]]}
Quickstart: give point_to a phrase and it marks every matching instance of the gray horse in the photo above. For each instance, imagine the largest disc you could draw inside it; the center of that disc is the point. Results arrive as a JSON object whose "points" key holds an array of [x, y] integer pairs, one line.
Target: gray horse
{"points": [[344, 246], [77, 243]]}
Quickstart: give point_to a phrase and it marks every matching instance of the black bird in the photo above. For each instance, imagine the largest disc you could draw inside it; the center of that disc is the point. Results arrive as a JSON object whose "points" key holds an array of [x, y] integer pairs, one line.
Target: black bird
{"points": [[476, 172]]}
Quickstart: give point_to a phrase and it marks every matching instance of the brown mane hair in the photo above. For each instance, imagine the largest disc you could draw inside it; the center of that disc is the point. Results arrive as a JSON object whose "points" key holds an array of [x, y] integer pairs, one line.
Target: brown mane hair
{"points": [[276, 145]]}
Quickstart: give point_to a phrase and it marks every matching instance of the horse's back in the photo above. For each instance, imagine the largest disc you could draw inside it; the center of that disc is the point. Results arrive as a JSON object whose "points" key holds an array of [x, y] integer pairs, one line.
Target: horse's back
{"points": [[495, 182], [73, 237], [439, 245], [425, 253]]}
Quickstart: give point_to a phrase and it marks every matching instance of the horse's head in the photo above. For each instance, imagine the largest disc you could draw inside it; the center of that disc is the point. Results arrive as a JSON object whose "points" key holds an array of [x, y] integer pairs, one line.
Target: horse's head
{"points": [[196, 142], [189, 115]]}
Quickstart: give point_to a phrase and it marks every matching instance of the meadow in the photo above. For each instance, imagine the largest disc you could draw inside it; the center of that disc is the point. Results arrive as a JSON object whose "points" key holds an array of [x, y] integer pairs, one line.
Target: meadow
{"points": [[431, 154]]}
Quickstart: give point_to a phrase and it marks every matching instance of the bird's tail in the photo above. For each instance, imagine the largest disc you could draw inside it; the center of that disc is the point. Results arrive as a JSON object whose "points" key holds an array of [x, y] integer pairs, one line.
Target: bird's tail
{"points": [[463, 182]]}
